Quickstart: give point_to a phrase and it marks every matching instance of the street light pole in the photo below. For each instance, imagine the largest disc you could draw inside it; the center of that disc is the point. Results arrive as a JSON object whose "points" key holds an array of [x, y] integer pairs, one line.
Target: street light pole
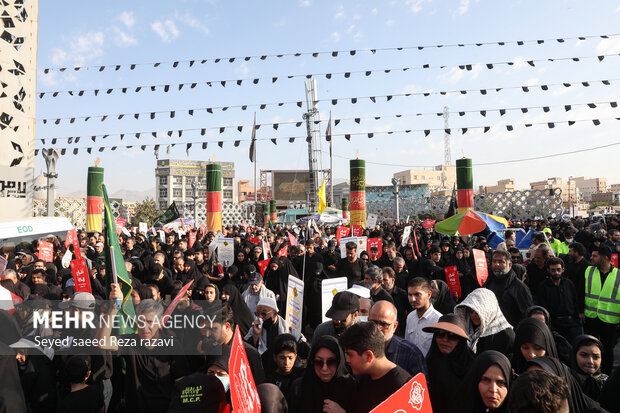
{"points": [[51, 156], [195, 196], [396, 182]]}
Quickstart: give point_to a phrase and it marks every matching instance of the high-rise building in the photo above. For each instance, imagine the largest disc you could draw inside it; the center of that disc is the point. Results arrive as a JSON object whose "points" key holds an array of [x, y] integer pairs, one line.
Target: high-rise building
{"points": [[173, 181], [440, 177], [590, 186]]}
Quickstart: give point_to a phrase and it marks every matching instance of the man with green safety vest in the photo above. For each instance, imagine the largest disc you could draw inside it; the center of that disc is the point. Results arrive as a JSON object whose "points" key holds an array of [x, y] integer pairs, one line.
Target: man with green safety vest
{"points": [[602, 303]]}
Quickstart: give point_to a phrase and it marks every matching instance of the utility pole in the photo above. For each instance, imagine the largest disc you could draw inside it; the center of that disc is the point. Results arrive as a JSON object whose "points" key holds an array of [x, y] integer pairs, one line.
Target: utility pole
{"points": [[396, 182], [194, 184], [51, 156], [311, 117], [447, 155]]}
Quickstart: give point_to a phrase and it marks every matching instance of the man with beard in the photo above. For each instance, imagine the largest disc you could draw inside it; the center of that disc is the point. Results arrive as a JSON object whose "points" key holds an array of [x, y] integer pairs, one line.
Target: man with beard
{"points": [[401, 272], [537, 270], [220, 332], [373, 278], [351, 266], [387, 258], [399, 297], [419, 294], [575, 268], [512, 294], [343, 313], [558, 295]]}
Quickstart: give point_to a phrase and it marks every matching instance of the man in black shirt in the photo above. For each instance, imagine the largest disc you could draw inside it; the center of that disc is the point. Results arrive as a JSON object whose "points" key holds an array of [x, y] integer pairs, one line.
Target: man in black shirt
{"points": [[379, 378], [557, 294], [351, 266], [575, 268], [373, 277], [399, 297]]}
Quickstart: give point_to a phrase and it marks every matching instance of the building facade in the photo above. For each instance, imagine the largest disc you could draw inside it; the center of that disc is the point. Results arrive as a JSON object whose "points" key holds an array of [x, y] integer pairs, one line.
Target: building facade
{"points": [[440, 177], [570, 192], [504, 185], [173, 181], [590, 186]]}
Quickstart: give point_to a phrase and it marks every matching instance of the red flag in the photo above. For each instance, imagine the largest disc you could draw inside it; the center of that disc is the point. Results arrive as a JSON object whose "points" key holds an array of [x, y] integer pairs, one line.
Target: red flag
{"points": [[482, 271], [262, 266], [81, 278], [357, 230], [452, 278], [614, 260], [243, 393], [122, 222], [192, 238], [428, 223], [203, 228], [255, 241], [46, 251], [291, 239], [283, 252], [413, 397], [174, 303], [375, 242], [342, 232], [72, 239]]}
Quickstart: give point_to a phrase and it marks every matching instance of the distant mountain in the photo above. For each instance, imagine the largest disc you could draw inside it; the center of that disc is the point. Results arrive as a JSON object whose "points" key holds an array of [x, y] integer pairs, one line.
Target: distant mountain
{"points": [[129, 195]]}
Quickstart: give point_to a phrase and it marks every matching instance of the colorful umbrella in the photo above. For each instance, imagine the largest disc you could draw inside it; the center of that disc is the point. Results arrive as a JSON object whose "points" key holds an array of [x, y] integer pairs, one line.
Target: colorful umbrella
{"points": [[470, 222]]}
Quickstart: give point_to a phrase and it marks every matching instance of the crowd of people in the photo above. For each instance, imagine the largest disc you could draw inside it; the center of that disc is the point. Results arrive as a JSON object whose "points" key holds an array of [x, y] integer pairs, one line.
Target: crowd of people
{"points": [[538, 335]]}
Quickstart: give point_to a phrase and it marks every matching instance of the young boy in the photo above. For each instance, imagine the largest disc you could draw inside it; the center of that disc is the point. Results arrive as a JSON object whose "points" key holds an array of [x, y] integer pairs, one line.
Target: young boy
{"points": [[379, 378], [284, 356], [83, 398]]}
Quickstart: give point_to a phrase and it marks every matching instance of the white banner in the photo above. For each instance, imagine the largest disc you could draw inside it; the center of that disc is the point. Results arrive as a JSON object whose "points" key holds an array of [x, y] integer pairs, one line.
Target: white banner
{"points": [[406, 235], [226, 251], [329, 288], [371, 221], [143, 227], [294, 304], [359, 241], [162, 236]]}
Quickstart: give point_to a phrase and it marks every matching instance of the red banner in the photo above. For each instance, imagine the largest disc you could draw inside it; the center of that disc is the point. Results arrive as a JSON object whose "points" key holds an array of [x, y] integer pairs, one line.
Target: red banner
{"points": [[452, 278], [174, 303], [81, 278], [375, 242], [122, 222], [192, 238], [413, 397], [46, 251], [428, 223], [342, 232], [262, 266], [203, 228], [243, 393], [614, 260], [255, 241], [291, 239], [283, 252], [72, 239], [357, 230], [245, 226], [482, 271]]}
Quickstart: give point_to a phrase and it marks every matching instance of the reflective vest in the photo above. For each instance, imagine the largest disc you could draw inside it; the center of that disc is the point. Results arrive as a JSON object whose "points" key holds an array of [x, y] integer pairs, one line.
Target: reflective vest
{"points": [[602, 301]]}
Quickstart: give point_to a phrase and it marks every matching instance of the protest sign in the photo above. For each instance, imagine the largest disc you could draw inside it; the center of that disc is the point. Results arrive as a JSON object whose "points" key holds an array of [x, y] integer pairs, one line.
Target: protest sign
{"points": [[480, 261], [143, 227], [375, 242], [360, 242], [371, 221], [294, 304], [413, 397], [406, 235], [357, 230], [192, 238], [72, 239], [66, 259], [262, 266], [226, 251], [342, 232], [243, 393], [255, 241], [329, 288], [291, 239], [81, 278], [46, 251], [122, 222], [452, 278], [283, 252], [428, 223]]}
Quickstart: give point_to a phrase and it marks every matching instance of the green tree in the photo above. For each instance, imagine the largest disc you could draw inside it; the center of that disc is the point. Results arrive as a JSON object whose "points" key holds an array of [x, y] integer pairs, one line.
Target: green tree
{"points": [[146, 211]]}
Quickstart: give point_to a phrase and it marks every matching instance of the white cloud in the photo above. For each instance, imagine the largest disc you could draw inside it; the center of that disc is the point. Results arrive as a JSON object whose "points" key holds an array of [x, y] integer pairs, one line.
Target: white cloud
{"points": [[123, 39], [389, 23], [243, 69], [519, 62], [350, 28], [339, 15], [59, 56], [188, 20], [126, 17], [50, 79], [618, 10], [305, 3], [375, 11], [475, 70], [357, 17], [335, 36], [82, 50], [532, 81], [416, 5], [167, 31], [579, 43], [411, 88], [463, 7], [608, 46]]}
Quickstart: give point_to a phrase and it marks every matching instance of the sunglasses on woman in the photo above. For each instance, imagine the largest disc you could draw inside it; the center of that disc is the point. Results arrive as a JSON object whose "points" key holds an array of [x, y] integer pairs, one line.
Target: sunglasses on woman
{"points": [[331, 363], [446, 334]]}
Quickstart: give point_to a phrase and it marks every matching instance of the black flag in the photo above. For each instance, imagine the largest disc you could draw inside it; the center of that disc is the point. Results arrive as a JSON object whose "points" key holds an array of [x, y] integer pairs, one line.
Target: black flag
{"points": [[170, 215], [253, 144]]}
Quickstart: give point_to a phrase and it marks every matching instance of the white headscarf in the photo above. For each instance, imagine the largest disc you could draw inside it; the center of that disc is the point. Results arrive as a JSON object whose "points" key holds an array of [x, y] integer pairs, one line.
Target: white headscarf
{"points": [[492, 320]]}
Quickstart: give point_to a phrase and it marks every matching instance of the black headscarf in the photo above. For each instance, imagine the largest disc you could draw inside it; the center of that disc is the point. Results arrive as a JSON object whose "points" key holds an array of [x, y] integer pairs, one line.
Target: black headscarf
{"points": [[277, 281], [589, 384], [531, 330], [192, 274], [472, 401], [577, 401], [443, 302], [241, 313], [445, 372], [314, 391], [271, 399]]}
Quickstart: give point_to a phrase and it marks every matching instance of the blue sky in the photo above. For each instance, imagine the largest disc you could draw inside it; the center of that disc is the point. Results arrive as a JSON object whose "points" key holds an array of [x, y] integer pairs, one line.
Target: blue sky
{"points": [[79, 33]]}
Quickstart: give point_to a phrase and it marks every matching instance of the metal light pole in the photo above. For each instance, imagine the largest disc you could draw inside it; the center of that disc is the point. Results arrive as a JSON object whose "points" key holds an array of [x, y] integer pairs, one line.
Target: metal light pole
{"points": [[396, 182], [194, 184], [51, 156], [570, 197]]}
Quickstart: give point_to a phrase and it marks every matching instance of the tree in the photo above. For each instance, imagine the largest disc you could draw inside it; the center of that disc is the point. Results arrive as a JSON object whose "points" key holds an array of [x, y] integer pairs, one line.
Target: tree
{"points": [[146, 211]]}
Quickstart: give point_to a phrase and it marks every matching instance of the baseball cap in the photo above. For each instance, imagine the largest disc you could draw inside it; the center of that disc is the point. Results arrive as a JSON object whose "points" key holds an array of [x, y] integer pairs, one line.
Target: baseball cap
{"points": [[198, 392], [254, 278], [81, 300], [360, 291], [343, 304]]}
